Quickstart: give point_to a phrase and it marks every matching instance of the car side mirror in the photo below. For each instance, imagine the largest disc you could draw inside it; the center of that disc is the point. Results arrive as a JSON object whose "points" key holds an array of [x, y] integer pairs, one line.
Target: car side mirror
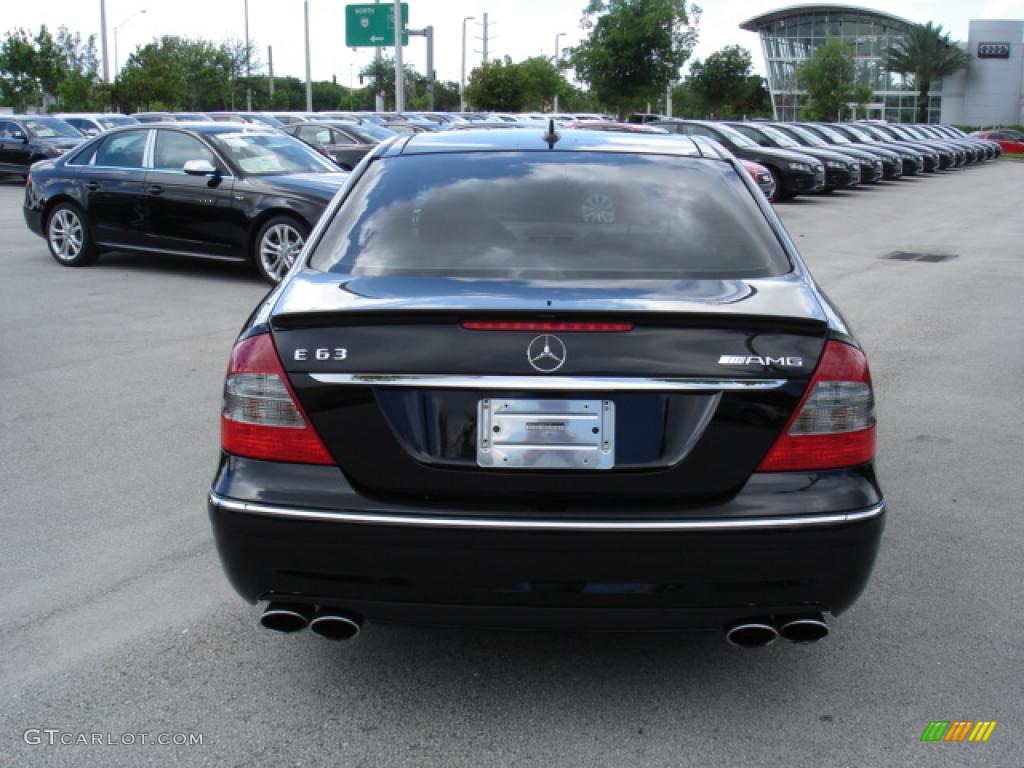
{"points": [[200, 168], [20, 136]]}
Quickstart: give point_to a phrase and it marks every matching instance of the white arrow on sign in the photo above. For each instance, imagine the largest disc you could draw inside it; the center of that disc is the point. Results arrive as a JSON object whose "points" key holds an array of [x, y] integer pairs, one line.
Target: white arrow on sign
{"points": [[376, 39]]}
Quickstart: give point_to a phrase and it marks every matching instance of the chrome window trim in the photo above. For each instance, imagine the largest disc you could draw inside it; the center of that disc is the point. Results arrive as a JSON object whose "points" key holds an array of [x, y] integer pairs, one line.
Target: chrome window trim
{"points": [[612, 526], [546, 383]]}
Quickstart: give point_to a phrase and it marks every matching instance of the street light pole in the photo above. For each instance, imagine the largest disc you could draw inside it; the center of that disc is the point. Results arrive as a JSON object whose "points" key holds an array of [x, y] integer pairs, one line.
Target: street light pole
{"points": [[103, 40], [309, 82], [117, 60], [462, 82], [558, 67], [248, 70], [399, 67]]}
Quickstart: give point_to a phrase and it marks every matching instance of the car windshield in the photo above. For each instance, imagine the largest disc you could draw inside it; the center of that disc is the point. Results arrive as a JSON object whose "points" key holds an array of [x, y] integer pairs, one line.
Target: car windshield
{"points": [[51, 128], [778, 136], [112, 121], [273, 122], [864, 134], [735, 136], [808, 136], [267, 154], [836, 136], [370, 133], [550, 216]]}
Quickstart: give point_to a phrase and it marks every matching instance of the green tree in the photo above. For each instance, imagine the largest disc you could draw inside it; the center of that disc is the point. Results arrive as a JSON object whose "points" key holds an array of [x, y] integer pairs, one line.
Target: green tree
{"points": [[541, 80], [31, 67], [726, 86], [379, 75], [79, 91], [152, 75], [446, 96], [18, 83], [496, 86], [206, 74], [927, 53], [634, 48], [828, 77]]}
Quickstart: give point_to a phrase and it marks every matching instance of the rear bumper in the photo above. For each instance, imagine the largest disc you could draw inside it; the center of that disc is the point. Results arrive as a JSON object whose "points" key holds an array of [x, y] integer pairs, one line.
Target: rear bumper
{"points": [[33, 216], [606, 571]]}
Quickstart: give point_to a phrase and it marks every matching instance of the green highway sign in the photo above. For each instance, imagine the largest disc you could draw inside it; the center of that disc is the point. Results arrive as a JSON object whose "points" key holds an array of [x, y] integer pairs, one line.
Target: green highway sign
{"points": [[373, 26]]}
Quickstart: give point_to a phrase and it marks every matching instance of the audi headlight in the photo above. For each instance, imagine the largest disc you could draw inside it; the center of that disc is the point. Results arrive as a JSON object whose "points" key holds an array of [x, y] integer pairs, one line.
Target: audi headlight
{"points": [[800, 167], [839, 165]]}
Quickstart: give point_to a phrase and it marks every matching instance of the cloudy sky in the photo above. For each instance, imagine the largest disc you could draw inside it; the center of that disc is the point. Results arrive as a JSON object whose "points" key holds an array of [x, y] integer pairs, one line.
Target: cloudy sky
{"points": [[518, 28]]}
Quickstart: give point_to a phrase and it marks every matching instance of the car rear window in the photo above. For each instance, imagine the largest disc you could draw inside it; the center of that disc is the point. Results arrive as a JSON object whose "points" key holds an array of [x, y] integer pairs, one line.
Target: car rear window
{"points": [[550, 215]]}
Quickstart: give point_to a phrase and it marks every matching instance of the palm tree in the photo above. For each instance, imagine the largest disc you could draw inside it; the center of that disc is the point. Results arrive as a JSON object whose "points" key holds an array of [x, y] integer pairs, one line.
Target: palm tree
{"points": [[926, 53]]}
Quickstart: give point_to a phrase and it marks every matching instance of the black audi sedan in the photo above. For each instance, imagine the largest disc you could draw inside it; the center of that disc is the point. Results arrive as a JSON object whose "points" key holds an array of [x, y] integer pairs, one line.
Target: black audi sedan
{"points": [[27, 139], [871, 166], [534, 379], [896, 161], [841, 171], [794, 172], [213, 190]]}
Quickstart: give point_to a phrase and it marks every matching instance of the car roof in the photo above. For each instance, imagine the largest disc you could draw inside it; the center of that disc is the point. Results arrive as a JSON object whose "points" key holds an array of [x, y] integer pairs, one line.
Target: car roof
{"points": [[200, 126], [535, 139]]}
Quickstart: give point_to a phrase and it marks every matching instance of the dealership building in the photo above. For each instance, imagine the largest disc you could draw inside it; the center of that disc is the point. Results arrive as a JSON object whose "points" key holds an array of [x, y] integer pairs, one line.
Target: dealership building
{"points": [[990, 91]]}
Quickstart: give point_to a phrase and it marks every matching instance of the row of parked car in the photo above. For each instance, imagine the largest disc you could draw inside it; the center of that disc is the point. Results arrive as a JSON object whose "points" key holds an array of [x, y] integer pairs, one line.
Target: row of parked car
{"points": [[807, 158], [247, 191]]}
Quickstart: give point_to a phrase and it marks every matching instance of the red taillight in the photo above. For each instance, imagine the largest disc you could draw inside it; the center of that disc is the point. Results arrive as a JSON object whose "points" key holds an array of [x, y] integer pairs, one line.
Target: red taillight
{"points": [[545, 326], [834, 424], [261, 418]]}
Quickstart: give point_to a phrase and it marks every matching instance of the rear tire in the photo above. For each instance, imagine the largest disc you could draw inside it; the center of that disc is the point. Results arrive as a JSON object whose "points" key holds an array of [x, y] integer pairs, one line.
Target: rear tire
{"points": [[69, 237], [277, 245]]}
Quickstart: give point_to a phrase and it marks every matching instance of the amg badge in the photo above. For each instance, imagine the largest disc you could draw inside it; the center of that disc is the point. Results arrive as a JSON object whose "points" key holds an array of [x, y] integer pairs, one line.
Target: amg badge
{"points": [[789, 362]]}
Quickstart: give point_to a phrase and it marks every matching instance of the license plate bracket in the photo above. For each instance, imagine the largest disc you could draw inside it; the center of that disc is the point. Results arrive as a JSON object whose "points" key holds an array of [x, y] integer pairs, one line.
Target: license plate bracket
{"points": [[515, 433]]}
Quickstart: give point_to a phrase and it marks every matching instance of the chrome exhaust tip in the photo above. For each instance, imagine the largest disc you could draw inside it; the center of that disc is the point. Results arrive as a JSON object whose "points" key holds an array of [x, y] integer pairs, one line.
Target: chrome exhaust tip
{"points": [[333, 624], [755, 633], [804, 629], [286, 617]]}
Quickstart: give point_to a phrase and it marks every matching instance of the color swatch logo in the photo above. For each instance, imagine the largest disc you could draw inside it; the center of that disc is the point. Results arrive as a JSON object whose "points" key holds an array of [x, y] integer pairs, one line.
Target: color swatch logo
{"points": [[958, 730]]}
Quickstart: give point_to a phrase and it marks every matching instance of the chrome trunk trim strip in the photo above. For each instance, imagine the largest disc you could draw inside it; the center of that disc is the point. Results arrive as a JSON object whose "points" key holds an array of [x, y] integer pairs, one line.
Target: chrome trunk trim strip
{"points": [[545, 383], [469, 523]]}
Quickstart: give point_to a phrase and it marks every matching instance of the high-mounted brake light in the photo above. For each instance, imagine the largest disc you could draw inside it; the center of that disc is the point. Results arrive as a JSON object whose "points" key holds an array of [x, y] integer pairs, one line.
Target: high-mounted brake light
{"points": [[546, 326], [262, 418], [834, 424]]}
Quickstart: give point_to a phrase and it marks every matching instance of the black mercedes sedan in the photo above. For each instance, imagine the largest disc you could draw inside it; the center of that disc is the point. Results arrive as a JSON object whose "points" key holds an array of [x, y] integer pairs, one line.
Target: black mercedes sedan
{"points": [[27, 139], [794, 173], [212, 190], [534, 379]]}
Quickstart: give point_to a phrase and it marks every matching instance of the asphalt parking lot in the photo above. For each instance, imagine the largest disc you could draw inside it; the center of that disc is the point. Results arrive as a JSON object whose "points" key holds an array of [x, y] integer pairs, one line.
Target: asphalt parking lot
{"points": [[116, 617]]}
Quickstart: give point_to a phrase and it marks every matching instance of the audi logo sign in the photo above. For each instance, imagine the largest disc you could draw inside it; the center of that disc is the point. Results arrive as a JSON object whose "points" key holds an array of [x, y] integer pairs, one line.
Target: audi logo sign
{"points": [[993, 50]]}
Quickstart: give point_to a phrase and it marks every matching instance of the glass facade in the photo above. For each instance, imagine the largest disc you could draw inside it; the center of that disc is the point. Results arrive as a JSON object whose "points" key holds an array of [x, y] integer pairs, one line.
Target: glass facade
{"points": [[789, 37]]}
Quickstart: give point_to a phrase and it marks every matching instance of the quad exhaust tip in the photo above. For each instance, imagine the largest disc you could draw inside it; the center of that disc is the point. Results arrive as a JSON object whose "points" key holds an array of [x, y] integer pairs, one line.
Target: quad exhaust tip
{"points": [[804, 629], [333, 624], [286, 617], [758, 633], [755, 633], [330, 623]]}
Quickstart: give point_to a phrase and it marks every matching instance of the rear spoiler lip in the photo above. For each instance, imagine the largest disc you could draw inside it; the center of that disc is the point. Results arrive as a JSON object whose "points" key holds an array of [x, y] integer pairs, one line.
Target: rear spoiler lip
{"points": [[684, 318]]}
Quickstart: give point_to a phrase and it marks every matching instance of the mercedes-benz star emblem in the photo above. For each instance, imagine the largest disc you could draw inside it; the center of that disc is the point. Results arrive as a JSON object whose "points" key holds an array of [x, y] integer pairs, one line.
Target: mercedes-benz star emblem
{"points": [[546, 353]]}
